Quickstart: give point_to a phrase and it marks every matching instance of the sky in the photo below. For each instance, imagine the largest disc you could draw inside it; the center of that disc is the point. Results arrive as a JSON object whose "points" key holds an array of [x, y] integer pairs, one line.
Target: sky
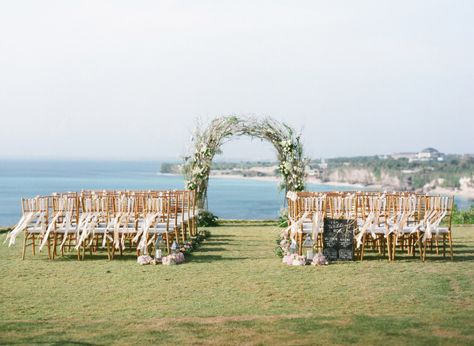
{"points": [[129, 79]]}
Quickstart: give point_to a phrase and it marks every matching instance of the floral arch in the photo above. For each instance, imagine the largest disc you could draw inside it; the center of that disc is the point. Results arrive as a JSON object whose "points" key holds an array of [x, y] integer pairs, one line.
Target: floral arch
{"points": [[207, 142]]}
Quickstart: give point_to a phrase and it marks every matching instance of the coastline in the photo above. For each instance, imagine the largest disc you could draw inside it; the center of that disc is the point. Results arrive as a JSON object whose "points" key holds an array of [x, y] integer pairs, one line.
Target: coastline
{"points": [[464, 192]]}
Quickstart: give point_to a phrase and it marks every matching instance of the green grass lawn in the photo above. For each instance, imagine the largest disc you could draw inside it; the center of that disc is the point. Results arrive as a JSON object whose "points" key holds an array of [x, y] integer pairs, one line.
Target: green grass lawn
{"points": [[234, 290]]}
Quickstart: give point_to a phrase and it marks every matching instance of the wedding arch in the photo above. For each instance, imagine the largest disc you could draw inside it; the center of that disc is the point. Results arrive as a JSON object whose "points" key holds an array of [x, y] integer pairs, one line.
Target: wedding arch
{"points": [[207, 142]]}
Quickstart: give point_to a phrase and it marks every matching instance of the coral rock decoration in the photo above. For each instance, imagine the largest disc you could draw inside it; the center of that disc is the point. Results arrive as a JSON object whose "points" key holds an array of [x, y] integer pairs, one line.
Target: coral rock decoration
{"points": [[206, 143]]}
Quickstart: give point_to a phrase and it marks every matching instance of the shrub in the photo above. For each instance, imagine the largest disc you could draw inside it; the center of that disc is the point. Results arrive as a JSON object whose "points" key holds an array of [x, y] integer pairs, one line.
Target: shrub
{"points": [[463, 217], [283, 218], [278, 251], [207, 219]]}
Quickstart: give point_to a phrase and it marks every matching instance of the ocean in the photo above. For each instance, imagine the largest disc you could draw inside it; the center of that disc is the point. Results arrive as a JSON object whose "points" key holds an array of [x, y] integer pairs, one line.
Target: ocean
{"points": [[227, 198]]}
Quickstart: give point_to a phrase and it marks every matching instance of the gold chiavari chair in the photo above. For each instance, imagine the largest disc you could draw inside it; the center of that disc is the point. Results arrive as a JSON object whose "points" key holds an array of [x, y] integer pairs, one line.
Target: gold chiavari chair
{"points": [[438, 209], [65, 216], [159, 207], [404, 210], [310, 206], [372, 224], [36, 223], [125, 223]]}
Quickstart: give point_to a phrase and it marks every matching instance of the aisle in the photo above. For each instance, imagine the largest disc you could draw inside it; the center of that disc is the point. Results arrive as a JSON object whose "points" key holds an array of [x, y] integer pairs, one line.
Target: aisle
{"points": [[237, 243]]}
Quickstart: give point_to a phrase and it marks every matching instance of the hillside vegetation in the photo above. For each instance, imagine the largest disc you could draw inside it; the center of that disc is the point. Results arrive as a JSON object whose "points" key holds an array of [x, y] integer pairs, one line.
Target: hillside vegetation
{"points": [[400, 173]]}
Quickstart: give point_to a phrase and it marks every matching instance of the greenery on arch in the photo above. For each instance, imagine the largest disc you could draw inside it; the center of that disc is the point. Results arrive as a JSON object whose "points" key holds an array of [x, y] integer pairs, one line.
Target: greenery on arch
{"points": [[207, 142]]}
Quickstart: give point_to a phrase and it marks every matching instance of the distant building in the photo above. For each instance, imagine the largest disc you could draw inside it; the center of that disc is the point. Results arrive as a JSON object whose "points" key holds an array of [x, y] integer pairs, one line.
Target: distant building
{"points": [[409, 156], [428, 154]]}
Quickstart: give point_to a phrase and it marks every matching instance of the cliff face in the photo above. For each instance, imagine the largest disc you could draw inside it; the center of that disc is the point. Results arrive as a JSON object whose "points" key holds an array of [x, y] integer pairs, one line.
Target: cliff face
{"points": [[365, 177]]}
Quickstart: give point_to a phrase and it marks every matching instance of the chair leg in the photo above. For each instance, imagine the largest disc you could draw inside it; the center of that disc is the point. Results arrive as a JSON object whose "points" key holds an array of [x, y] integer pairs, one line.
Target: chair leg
{"points": [[389, 247], [183, 233], [62, 247], [420, 244], [444, 245], [176, 234], [108, 248], [425, 243], [394, 246], [450, 239], [33, 244], [55, 237], [49, 248], [24, 245], [362, 248], [300, 243]]}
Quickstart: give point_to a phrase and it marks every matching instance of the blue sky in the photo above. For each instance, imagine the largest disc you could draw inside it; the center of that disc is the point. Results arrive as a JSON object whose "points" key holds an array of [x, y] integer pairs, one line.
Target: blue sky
{"points": [[127, 79]]}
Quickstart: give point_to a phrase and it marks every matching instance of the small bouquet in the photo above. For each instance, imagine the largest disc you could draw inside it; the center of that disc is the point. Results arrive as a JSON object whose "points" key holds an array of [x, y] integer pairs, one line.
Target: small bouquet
{"points": [[319, 260], [174, 258], [294, 260], [145, 259], [178, 257], [299, 260], [287, 259], [168, 260], [188, 247]]}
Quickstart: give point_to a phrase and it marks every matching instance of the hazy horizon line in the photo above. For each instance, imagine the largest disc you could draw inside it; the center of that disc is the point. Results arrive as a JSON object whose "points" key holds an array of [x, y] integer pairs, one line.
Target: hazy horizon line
{"points": [[175, 159]]}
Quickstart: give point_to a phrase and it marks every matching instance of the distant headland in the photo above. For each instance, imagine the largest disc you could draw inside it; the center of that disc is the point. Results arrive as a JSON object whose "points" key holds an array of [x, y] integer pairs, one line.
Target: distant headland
{"points": [[428, 170]]}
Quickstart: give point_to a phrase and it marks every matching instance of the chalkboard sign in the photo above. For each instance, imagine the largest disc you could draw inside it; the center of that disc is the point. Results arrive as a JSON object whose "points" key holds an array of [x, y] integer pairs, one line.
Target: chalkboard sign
{"points": [[338, 239]]}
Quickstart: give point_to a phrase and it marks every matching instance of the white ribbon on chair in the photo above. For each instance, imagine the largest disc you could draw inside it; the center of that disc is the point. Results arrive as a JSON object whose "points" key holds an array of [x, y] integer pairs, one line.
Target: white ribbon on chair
{"points": [[27, 218], [61, 207], [21, 226], [424, 223], [291, 195], [437, 218], [348, 202], [318, 217], [365, 227], [149, 219], [368, 222], [376, 205], [295, 226], [130, 211], [121, 219], [87, 223], [406, 211], [67, 224], [48, 230]]}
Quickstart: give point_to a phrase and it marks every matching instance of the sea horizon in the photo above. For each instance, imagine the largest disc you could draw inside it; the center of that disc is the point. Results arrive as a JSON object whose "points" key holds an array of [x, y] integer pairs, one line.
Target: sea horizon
{"points": [[229, 198]]}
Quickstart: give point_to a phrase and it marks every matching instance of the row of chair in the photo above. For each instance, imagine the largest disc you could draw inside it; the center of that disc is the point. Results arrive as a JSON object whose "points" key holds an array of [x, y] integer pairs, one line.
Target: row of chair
{"points": [[386, 222], [112, 220]]}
